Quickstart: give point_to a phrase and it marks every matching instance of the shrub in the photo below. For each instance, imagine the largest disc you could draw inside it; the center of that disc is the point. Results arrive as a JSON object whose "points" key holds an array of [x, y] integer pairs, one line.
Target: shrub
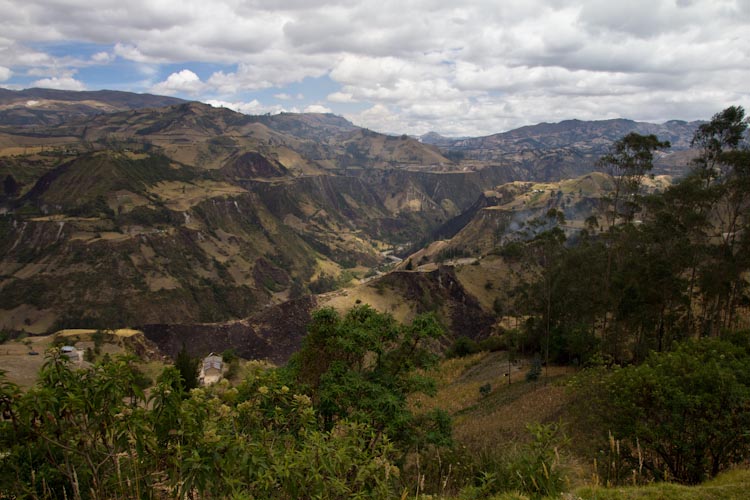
{"points": [[493, 344], [681, 409], [535, 371], [463, 346]]}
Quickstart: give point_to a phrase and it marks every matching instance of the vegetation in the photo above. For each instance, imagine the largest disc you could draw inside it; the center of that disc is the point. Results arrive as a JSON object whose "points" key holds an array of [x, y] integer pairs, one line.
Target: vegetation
{"points": [[676, 416], [362, 367], [658, 317], [94, 434], [728, 486], [677, 273]]}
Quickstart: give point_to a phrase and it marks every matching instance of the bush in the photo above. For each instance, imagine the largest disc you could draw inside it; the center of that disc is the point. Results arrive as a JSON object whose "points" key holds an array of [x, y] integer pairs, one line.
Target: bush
{"points": [[681, 410], [535, 371], [493, 344], [463, 346], [534, 469], [100, 437], [537, 468]]}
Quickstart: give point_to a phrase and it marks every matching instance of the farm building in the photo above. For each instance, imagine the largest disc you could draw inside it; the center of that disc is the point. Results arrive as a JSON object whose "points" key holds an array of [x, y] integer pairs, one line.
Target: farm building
{"points": [[211, 369], [72, 353]]}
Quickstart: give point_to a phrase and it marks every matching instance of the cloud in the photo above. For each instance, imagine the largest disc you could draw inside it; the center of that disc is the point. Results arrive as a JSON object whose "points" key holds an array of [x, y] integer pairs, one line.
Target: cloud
{"points": [[182, 82], [455, 67], [133, 53], [253, 107], [5, 73], [288, 97], [103, 58], [317, 108], [62, 83]]}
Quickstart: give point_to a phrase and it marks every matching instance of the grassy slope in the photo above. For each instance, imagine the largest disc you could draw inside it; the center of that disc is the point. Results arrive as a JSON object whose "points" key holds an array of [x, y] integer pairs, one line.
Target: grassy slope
{"points": [[727, 486], [481, 423], [499, 419]]}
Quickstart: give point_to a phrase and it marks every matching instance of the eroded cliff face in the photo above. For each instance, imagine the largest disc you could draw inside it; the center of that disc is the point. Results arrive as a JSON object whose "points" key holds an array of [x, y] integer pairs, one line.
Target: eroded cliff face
{"points": [[278, 331], [198, 250], [273, 334], [441, 292]]}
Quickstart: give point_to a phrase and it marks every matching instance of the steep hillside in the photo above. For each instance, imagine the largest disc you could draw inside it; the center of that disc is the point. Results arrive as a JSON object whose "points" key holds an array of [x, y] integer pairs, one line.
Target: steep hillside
{"points": [[519, 210], [188, 214], [200, 214]]}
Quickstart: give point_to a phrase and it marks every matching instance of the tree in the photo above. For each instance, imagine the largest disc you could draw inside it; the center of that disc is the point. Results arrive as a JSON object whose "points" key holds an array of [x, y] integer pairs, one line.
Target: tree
{"points": [[628, 161], [188, 369], [725, 131], [684, 410], [362, 367], [10, 186], [723, 169]]}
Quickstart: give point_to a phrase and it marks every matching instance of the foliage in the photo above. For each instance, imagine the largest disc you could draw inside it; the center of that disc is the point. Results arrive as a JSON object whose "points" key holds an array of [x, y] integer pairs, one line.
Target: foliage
{"points": [[188, 368], [628, 161], [535, 370], [678, 413], [533, 469], [537, 468], [463, 346], [727, 486], [485, 390], [680, 271], [93, 434], [362, 367], [10, 186]]}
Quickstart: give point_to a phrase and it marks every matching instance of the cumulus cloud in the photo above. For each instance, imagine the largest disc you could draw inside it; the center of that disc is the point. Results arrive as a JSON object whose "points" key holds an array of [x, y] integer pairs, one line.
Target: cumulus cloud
{"points": [[253, 107], [5, 73], [458, 68], [317, 108], [102, 58], [60, 83], [182, 82]]}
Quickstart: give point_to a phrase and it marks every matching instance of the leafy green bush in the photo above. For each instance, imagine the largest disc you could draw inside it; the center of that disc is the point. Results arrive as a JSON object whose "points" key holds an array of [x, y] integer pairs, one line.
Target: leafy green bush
{"points": [[94, 434], [362, 367], [677, 414], [463, 346]]}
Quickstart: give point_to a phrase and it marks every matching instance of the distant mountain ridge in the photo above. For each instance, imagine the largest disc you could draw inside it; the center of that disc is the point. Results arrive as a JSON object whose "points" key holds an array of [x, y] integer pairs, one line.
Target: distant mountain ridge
{"points": [[45, 107], [555, 151], [569, 132]]}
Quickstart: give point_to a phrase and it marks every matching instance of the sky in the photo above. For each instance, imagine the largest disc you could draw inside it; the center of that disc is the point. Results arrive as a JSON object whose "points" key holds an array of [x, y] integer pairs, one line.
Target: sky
{"points": [[459, 68]]}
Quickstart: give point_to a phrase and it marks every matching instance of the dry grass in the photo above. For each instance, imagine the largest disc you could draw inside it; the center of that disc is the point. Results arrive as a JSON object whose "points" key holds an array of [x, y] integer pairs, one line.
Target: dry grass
{"points": [[482, 422], [507, 412], [20, 151], [20, 367], [87, 332], [181, 196], [387, 301], [28, 318]]}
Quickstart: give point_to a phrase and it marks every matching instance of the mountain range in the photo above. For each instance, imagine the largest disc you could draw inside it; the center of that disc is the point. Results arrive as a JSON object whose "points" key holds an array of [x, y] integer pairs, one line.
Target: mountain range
{"points": [[193, 221]]}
